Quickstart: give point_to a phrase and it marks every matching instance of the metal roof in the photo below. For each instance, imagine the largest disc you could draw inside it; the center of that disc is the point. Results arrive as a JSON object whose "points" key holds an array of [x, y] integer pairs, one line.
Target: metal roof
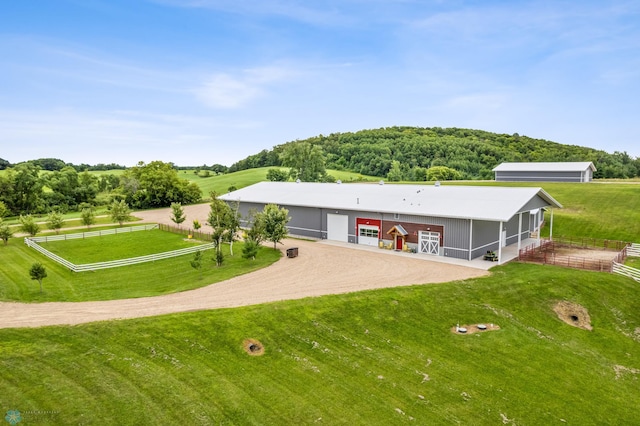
{"points": [[464, 202], [545, 167]]}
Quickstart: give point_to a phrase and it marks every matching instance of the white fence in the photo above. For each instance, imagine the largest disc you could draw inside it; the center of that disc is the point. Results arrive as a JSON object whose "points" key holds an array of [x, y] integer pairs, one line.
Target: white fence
{"points": [[90, 234], [619, 268], [33, 243], [633, 250]]}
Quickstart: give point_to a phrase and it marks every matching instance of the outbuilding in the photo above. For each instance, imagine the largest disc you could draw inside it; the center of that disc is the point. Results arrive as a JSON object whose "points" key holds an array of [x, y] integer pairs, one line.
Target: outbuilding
{"points": [[545, 172], [463, 222]]}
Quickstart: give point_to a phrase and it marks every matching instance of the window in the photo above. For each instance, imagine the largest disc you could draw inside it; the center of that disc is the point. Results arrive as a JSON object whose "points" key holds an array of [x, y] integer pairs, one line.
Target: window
{"points": [[369, 232]]}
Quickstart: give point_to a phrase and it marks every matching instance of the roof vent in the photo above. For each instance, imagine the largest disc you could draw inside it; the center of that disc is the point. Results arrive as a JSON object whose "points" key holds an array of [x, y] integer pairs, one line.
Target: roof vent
{"points": [[381, 182], [297, 180], [338, 181], [437, 184]]}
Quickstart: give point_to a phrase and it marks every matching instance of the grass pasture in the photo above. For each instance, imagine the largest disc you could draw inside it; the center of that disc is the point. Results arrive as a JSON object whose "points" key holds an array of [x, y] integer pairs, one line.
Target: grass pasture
{"points": [[602, 210], [221, 183], [383, 357], [146, 279], [118, 246]]}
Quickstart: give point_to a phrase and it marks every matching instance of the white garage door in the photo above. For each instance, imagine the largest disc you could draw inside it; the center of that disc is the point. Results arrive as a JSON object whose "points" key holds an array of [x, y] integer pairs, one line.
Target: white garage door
{"points": [[338, 227], [368, 235], [429, 242]]}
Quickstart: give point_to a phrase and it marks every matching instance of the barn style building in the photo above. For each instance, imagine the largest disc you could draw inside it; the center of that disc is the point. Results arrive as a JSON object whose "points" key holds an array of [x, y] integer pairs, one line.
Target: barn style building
{"points": [[545, 172], [463, 222]]}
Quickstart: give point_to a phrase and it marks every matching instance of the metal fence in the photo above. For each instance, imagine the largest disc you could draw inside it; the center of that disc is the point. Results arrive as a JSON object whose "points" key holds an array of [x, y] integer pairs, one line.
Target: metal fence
{"points": [[545, 253], [33, 243]]}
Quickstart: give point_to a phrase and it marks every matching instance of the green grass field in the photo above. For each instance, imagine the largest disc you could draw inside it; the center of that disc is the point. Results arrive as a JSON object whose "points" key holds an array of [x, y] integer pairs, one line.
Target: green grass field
{"points": [[382, 357], [221, 183], [118, 246], [146, 279], [593, 210]]}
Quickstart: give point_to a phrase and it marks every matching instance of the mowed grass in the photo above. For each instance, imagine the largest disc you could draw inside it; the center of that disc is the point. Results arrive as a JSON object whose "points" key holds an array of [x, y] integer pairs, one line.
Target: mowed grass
{"points": [[634, 262], [384, 357], [593, 210], [118, 246], [145, 279], [597, 210], [221, 183]]}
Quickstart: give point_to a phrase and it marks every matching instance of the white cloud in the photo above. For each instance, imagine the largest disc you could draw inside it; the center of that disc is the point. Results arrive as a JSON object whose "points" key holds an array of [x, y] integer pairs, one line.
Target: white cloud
{"points": [[123, 137], [231, 92]]}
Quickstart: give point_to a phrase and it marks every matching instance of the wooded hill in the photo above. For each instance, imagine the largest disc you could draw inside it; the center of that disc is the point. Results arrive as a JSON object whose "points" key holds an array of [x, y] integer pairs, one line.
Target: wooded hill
{"points": [[473, 153]]}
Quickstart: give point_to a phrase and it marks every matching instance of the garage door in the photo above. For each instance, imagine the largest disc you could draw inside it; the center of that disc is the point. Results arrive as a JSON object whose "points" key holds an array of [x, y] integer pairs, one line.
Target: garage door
{"points": [[430, 242], [338, 227], [368, 235]]}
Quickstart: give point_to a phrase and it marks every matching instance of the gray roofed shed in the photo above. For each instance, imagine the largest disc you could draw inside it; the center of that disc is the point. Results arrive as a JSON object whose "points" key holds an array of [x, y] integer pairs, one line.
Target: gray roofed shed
{"points": [[463, 202], [462, 222], [545, 172]]}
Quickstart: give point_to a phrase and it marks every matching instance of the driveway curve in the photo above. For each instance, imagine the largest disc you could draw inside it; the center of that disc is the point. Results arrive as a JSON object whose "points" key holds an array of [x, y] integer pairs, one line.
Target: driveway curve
{"points": [[320, 269]]}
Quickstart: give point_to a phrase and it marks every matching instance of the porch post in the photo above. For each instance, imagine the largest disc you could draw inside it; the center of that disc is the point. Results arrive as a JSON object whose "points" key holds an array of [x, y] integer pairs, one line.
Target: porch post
{"points": [[539, 223], [500, 244], [470, 237], [519, 231], [551, 226]]}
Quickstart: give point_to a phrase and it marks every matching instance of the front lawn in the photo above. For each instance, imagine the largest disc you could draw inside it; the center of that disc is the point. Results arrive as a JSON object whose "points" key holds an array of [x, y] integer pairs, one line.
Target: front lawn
{"points": [[146, 279]]}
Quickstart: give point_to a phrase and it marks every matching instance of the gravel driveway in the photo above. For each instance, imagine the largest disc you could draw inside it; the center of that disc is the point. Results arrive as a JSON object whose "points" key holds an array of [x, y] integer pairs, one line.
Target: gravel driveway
{"points": [[320, 269]]}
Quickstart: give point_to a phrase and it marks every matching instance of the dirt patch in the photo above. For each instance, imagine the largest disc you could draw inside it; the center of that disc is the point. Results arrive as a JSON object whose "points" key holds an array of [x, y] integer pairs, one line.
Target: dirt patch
{"points": [[586, 253], [573, 314], [253, 347], [474, 328]]}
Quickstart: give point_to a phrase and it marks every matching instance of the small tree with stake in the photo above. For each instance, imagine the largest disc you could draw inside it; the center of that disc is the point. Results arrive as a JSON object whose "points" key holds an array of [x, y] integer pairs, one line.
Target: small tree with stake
{"points": [[221, 219], [88, 216], [5, 232], [177, 214], [274, 223], [38, 272], [196, 262], [55, 221], [29, 225], [120, 211]]}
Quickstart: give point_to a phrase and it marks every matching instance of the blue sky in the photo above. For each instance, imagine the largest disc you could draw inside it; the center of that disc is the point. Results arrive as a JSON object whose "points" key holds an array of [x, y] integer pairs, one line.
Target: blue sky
{"points": [[212, 81]]}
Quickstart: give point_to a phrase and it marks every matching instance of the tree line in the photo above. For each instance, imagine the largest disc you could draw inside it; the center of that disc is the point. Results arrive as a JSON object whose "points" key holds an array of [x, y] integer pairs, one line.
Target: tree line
{"points": [[25, 189], [408, 153]]}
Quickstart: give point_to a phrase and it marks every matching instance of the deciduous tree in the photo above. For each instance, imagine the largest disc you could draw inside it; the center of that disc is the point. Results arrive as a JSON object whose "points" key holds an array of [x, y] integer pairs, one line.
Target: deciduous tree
{"points": [[177, 214], [273, 222], [306, 161], [55, 221], [277, 175], [38, 272], [120, 212], [88, 216], [5, 232], [29, 225], [221, 219]]}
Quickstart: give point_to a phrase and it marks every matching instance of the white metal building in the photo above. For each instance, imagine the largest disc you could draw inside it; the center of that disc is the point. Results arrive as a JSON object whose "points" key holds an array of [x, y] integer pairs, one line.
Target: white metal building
{"points": [[463, 222], [545, 172]]}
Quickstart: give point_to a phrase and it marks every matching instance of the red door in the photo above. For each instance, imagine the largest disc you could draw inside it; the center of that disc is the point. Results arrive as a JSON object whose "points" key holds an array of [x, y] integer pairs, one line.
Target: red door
{"points": [[398, 242]]}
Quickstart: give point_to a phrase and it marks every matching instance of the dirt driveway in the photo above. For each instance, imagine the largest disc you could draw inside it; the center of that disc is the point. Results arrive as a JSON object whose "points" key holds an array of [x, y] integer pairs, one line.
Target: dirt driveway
{"points": [[320, 269]]}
